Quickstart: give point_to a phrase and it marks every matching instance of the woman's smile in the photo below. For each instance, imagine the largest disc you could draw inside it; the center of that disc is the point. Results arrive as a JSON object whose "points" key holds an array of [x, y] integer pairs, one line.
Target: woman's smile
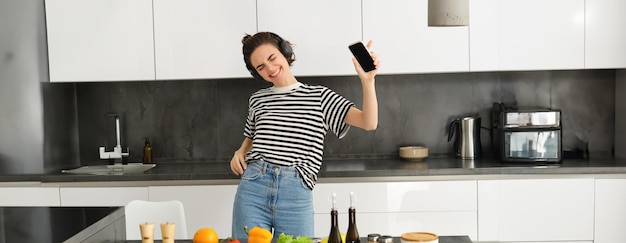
{"points": [[275, 73]]}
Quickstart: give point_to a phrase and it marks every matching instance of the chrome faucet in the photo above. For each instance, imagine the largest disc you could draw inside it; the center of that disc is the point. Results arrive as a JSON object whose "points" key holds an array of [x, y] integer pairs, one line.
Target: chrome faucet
{"points": [[117, 153]]}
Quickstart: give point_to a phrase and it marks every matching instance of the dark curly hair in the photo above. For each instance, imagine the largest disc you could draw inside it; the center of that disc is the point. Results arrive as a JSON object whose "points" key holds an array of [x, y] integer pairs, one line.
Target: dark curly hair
{"points": [[251, 42]]}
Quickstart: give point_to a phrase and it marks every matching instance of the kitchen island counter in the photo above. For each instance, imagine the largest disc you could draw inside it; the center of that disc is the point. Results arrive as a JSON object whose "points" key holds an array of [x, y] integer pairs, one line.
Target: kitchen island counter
{"points": [[442, 239]]}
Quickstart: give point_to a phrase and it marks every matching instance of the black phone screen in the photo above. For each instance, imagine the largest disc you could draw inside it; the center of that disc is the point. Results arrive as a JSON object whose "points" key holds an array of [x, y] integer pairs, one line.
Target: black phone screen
{"points": [[362, 56]]}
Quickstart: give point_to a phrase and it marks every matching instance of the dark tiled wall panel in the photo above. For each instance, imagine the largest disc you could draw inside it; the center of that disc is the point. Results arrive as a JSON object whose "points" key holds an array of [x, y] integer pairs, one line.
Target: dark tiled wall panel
{"points": [[203, 119]]}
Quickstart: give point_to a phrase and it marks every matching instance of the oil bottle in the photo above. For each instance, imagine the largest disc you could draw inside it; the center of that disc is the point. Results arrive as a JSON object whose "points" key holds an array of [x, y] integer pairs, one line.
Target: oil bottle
{"points": [[352, 236], [147, 152], [334, 236]]}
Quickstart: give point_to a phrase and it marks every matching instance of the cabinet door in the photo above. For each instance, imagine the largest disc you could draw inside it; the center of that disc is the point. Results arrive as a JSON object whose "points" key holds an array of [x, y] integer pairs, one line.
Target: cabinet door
{"points": [[443, 223], [100, 40], [527, 34], [398, 207], [205, 206], [101, 196], [405, 43], [197, 39], [610, 211], [605, 34], [28, 196], [536, 210], [376, 197], [320, 30]]}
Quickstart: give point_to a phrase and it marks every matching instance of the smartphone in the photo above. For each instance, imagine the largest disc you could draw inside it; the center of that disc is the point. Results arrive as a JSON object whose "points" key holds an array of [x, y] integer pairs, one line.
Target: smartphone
{"points": [[362, 55]]}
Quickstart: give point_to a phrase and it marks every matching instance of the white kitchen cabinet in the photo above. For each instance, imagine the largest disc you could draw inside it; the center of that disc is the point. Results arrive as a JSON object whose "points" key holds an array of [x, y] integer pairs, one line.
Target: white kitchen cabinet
{"points": [[527, 35], [405, 43], [446, 207], [320, 30], [605, 34], [443, 223], [610, 211], [101, 196], [100, 40], [540, 210], [199, 39], [28, 195], [205, 206], [376, 197]]}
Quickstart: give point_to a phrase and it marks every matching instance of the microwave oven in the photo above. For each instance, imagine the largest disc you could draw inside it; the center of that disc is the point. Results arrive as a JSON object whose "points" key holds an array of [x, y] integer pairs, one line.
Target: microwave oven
{"points": [[526, 134]]}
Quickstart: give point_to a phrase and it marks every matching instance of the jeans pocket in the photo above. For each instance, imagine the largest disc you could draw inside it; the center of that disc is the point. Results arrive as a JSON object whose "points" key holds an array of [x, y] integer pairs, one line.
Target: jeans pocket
{"points": [[253, 171], [302, 183]]}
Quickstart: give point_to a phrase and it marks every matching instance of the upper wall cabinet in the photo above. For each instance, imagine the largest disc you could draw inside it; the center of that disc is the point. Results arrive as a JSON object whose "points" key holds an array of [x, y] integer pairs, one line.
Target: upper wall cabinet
{"points": [[320, 30], [527, 34], [605, 38], [405, 43], [197, 39], [100, 40]]}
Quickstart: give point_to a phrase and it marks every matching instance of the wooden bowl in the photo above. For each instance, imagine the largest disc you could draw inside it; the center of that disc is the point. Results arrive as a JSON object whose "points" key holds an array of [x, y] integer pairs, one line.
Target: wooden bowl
{"points": [[413, 153], [419, 237]]}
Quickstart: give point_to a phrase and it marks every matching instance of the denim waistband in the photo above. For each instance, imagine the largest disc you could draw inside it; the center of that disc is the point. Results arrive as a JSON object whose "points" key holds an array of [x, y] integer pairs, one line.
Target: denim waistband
{"points": [[266, 167]]}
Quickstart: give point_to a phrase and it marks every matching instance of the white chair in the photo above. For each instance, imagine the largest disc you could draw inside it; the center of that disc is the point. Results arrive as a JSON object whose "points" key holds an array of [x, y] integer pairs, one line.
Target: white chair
{"points": [[138, 212]]}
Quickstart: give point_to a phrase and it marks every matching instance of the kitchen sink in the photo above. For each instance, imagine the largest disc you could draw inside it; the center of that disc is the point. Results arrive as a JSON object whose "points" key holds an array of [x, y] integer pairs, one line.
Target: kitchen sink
{"points": [[116, 169]]}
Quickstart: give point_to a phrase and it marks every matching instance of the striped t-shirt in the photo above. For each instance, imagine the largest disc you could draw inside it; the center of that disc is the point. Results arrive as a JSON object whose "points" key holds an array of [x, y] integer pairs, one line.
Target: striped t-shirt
{"points": [[288, 124]]}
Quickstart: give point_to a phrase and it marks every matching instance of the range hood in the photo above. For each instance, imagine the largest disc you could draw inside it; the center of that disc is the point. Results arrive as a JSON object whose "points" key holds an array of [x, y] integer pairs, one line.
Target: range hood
{"points": [[443, 13]]}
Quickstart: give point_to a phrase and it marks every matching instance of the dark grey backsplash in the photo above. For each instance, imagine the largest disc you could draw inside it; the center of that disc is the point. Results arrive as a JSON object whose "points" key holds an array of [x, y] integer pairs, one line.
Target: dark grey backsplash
{"points": [[203, 120]]}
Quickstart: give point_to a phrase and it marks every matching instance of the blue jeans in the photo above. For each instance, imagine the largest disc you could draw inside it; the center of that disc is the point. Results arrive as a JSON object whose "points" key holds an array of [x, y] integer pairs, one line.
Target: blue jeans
{"points": [[272, 197]]}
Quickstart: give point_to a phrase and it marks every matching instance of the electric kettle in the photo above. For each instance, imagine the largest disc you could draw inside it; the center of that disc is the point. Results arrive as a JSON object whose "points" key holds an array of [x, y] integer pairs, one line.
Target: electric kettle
{"points": [[466, 133]]}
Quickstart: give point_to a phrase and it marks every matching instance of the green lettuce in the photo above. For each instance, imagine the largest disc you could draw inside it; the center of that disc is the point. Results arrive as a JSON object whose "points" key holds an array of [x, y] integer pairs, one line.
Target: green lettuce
{"points": [[283, 238]]}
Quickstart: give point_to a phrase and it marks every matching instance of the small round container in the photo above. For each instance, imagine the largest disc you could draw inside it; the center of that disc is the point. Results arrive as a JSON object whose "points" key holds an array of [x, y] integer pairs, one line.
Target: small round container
{"points": [[419, 237], [385, 239], [372, 238], [413, 153]]}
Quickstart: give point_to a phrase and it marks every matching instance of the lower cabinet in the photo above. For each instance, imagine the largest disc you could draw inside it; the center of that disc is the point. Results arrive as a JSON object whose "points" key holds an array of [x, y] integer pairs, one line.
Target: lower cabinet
{"points": [[392, 208], [565, 210], [205, 205], [536, 210], [441, 223], [446, 207], [610, 209], [101, 196], [28, 195]]}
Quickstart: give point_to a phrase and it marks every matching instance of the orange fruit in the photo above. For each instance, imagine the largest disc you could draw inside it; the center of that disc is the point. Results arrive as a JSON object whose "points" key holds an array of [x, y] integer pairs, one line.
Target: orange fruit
{"points": [[205, 235]]}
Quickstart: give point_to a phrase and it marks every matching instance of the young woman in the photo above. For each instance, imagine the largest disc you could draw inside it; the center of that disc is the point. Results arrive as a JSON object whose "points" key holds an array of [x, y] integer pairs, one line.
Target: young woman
{"points": [[281, 153]]}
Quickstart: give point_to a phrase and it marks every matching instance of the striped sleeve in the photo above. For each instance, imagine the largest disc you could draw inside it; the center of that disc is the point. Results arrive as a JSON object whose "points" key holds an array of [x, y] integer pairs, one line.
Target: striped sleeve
{"points": [[335, 109], [249, 127]]}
